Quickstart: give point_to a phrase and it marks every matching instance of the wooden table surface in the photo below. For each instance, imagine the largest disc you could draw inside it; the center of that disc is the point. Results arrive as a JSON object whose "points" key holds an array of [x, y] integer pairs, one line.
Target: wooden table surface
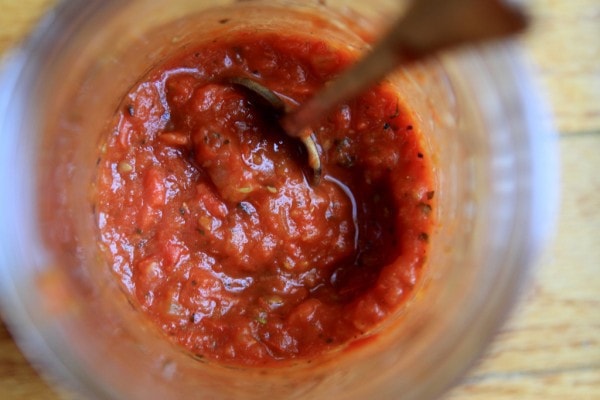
{"points": [[550, 348]]}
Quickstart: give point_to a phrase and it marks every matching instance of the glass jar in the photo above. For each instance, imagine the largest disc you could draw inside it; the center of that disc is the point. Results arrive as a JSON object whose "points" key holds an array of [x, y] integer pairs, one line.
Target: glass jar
{"points": [[494, 167]]}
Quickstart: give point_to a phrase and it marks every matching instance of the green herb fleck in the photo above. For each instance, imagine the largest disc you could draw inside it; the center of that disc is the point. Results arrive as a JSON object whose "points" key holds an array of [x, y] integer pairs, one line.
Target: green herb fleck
{"points": [[261, 318], [124, 167], [396, 112], [425, 208], [245, 189]]}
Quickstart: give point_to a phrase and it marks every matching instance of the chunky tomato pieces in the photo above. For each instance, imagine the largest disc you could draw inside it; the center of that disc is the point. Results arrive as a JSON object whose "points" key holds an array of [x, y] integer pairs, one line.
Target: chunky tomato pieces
{"points": [[208, 219]]}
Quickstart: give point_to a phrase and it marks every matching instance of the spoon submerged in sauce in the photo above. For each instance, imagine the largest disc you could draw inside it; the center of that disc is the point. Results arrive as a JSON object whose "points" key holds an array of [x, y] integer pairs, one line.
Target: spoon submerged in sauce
{"points": [[427, 27], [278, 107]]}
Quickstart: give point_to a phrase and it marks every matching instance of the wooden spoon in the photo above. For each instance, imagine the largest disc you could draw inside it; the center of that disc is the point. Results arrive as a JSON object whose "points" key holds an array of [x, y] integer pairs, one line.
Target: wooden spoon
{"points": [[427, 27]]}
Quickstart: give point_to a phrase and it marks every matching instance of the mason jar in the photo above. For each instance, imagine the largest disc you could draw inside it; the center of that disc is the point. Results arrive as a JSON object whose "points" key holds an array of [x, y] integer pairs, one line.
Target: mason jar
{"points": [[494, 168]]}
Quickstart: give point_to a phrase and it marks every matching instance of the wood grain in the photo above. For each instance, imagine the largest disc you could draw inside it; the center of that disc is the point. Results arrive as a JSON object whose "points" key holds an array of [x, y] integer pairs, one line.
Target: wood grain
{"points": [[18, 380], [550, 349], [564, 45], [17, 18]]}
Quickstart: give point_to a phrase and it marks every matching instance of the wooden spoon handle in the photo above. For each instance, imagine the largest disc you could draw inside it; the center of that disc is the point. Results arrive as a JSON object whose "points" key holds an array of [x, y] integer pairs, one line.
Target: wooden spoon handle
{"points": [[427, 26]]}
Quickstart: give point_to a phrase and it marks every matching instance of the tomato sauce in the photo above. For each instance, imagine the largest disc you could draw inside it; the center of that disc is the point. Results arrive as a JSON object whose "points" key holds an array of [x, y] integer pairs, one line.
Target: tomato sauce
{"points": [[208, 219]]}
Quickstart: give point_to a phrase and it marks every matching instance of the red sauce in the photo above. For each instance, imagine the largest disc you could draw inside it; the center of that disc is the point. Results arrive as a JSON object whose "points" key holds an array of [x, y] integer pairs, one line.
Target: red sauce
{"points": [[206, 215]]}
